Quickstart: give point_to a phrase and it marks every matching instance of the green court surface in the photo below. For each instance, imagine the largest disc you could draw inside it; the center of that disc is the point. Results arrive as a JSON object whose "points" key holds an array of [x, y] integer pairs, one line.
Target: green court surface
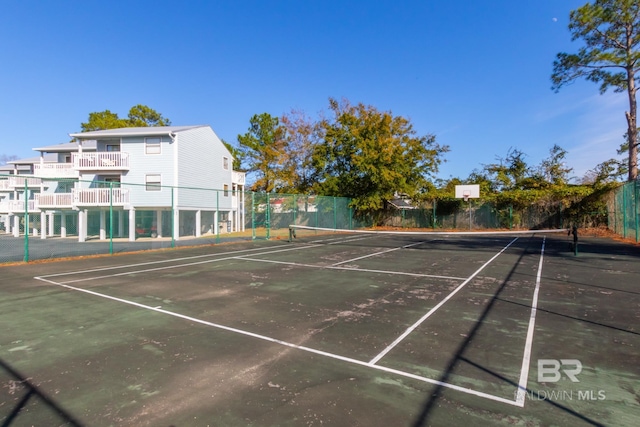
{"points": [[328, 330]]}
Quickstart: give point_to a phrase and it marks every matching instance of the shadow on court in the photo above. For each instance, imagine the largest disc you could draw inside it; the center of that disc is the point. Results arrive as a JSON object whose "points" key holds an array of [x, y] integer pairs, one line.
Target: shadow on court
{"points": [[26, 404], [458, 357]]}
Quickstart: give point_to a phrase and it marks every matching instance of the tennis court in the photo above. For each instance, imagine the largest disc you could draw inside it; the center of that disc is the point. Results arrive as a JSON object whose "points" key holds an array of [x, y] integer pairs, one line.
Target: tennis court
{"points": [[346, 329]]}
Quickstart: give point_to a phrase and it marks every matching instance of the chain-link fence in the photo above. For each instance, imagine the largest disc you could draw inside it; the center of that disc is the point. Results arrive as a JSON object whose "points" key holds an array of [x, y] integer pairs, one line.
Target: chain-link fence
{"points": [[51, 218], [624, 210], [44, 218]]}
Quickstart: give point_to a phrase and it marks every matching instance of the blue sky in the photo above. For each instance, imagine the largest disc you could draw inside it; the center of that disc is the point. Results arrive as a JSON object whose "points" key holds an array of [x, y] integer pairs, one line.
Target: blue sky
{"points": [[474, 73]]}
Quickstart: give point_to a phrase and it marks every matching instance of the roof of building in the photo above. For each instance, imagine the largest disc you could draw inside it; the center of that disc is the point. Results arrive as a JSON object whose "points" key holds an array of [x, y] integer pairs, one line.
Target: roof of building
{"points": [[68, 147], [402, 203], [47, 158], [140, 131]]}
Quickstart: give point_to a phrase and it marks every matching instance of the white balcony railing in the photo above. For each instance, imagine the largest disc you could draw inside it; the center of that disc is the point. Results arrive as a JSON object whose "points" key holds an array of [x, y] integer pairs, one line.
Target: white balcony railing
{"points": [[107, 160], [54, 200], [18, 181], [17, 206], [4, 185], [100, 196], [238, 177], [55, 170]]}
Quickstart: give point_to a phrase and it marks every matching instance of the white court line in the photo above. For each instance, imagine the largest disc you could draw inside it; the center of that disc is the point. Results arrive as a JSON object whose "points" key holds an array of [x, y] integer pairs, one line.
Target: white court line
{"points": [[526, 359], [287, 344], [434, 309], [333, 267], [122, 266], [378, 253], [86, 279]]}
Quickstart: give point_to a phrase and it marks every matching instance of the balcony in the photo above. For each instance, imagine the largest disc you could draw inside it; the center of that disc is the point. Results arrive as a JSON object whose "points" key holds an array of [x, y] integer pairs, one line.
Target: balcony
{"points": [[54, 200], [101, 161], [17, 206], [238, 177], [4, 186], [100, 197], [55, 170], [18, 182]]}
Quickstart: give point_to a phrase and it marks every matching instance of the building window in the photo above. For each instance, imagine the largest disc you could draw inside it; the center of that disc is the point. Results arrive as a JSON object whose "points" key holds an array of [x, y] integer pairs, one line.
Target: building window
{"points": [[152, 182], [152, 145], [225, 163], [113, 147], [226, 190]]}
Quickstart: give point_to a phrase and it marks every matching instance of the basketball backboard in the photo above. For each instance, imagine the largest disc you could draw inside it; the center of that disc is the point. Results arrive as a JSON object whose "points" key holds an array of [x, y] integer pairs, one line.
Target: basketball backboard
{"points": [[471, 191]]}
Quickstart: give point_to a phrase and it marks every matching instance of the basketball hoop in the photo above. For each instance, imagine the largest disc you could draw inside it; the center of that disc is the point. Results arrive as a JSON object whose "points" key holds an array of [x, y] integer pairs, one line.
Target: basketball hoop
{"points": [[465, 195]]}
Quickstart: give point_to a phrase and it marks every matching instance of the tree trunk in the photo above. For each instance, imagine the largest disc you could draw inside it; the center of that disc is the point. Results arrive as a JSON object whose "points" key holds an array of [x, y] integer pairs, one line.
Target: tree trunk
{"points": [[633, 128]]}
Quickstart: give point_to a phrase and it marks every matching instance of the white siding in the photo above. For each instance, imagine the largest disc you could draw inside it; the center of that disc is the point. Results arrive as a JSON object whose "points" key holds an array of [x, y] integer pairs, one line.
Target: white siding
{"points": [[141, 165], [200, 165]]}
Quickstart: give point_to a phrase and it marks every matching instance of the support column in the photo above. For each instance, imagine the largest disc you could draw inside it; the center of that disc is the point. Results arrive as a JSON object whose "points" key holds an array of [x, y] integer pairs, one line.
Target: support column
{"points": [[176, 224], [16, 226], [43, 225], [82, 225], [63, 224], [242, 210], [198, 223], [132, 225], [7, 223], [103, 226], [51, 221]]}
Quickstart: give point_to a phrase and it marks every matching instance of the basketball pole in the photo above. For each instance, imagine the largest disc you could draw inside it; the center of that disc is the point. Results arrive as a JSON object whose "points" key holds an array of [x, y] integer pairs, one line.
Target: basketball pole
{"points": [[469, 207]]}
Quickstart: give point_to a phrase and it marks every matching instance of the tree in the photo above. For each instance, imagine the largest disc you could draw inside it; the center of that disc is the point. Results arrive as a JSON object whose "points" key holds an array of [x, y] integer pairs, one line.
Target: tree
{"points": [[611, 32], [369, 156], [264, 152], [553, 168], [510, 173], [302, 135], [139, 116], [4, 159], [143, 116], [103, 120]]}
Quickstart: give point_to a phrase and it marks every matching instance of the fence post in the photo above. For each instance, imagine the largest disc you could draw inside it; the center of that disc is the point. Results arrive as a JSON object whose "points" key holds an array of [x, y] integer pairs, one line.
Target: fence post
{"points": [[335, 214], [635, 208], [253, 216], [111, 218], [173, 219], [217, 216], [510, 217], [433, 223], [267, 218], [624, 212], [26, 222], [295, 209]]}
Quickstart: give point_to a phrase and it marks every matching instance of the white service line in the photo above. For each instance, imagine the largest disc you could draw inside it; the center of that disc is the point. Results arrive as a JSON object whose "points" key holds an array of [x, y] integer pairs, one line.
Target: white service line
{"points": [[173, 266], [378, 253], [331, 267], [434, 309], [284, 343], [164, 261], [526, 359]]}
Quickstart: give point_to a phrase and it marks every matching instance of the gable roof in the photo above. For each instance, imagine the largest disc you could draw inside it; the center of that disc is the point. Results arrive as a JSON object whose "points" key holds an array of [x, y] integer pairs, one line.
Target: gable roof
{"points": [[47, 158], [67, 147], [141, 131]]}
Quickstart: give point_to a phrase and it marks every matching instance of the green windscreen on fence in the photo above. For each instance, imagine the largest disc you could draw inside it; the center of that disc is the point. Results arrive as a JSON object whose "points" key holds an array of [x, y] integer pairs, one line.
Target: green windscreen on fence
{"points": [[624, 211], [44, 218]]}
